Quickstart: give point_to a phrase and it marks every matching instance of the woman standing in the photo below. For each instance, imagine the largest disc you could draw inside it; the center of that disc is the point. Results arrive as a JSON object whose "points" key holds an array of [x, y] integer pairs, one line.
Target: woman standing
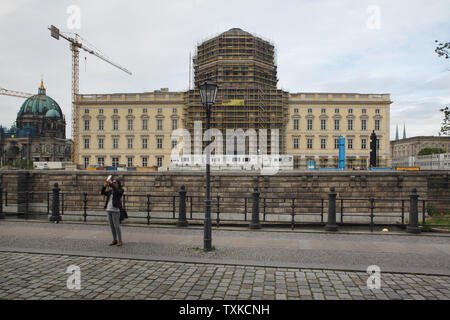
{"points": [[113, 191]]}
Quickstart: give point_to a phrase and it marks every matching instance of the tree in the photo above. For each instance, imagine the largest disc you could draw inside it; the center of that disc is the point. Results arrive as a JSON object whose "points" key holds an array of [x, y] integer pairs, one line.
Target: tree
{"points": [[443, 49], [445, 129], [428, 151]]}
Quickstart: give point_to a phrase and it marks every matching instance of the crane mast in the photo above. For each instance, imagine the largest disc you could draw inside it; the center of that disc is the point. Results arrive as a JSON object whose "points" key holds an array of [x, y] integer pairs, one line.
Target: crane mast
{"points": [[75, 46]]}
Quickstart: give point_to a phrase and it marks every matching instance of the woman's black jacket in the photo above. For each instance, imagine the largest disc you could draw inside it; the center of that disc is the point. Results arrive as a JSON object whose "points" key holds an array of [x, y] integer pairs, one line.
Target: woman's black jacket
{"points": [[117, 199]]}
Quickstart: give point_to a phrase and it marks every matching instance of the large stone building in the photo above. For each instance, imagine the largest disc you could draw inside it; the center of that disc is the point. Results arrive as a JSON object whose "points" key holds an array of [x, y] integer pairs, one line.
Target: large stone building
{"points": [[39, 133], [410, 147], [135, 129]]}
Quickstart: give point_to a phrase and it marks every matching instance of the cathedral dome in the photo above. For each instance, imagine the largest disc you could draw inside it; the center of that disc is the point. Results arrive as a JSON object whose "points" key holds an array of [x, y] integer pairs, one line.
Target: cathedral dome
{"points": [[40, 104]]}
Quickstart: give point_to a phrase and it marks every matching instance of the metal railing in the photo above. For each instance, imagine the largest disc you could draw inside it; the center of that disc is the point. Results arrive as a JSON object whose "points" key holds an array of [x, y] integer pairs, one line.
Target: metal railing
{"points": [[243, 209]]}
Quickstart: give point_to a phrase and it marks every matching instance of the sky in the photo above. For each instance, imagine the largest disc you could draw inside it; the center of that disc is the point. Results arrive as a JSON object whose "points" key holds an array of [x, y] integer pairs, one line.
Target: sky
{"points": [[321, 46]]}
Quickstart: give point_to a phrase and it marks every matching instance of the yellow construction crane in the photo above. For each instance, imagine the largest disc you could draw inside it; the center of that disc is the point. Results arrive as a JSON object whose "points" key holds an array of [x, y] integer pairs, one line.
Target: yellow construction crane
{"points": [[12, 93], [75, 45]]}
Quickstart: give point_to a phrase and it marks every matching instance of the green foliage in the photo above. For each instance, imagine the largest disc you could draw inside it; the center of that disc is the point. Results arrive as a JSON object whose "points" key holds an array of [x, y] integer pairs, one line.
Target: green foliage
{"points": [[428, 151], [445, 129], [443, 49]]}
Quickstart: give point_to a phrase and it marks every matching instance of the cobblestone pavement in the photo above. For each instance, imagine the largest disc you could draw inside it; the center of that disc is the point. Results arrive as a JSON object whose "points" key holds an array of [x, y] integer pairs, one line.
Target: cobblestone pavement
{"points": [[43, 276]]}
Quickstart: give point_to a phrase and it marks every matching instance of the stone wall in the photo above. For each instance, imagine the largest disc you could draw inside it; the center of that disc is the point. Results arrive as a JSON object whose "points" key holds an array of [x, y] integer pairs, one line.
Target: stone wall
{"points": [[308, 188]]}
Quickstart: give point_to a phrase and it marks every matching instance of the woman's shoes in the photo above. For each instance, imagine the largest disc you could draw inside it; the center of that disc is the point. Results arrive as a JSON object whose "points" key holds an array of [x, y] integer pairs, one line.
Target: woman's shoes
{"points": [[119, 243], [114, 243]]}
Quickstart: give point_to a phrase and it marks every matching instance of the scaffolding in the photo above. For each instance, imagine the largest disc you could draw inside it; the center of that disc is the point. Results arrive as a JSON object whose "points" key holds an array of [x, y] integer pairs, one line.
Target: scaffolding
{"points": [[244, 68]]}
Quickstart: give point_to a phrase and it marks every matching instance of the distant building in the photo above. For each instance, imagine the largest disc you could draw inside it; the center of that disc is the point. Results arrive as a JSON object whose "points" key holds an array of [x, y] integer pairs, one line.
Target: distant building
{"points": [[38, 134], [410, 147]]}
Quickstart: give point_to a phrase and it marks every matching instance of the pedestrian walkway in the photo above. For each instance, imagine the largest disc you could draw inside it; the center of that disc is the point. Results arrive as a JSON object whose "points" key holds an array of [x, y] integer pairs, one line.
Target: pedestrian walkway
{"points": [[168, 263]]}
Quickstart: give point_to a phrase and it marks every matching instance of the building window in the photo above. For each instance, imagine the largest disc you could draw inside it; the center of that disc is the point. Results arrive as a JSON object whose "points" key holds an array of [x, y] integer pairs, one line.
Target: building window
{"points": [[350, 143], [174, 124], [115, 143], [296, 110], [86, 125], [100, 111], [377, 111], [174, 143], [363, 111], [130, 162], [116, 110], [174, 110], [295, 124], [101, 162], [159, 143], [324, 110], [350, 110], [336, 110], [100, 143], [86, 162], [337, 124], [86, 143], [159, 110], [86, 110], [130, 124], [130, 111], [295, 143], [144, 124], [309, 124], [100, 125], [144, 143], [130, 143], [159, 161], [377, 124], [115, 162], [144, 110], [323, 124], [350, 124], [363, 144], [144, 161], [363, 124], [323, 143], [309, 110], [115, 125], [336, 143], [309, 143], [159, 124]]}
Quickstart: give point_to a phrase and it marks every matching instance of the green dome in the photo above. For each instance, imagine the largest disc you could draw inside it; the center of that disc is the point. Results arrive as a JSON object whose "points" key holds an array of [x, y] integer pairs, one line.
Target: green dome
{"points": [[52, 113], [40, 104]]}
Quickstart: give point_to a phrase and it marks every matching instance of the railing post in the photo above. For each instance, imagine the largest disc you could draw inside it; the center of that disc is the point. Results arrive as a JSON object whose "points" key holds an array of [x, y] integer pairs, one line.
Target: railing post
{"points": [[148, 209], [85, 206], [2, 216], [55, 217], [372, 206], [27, 205], [321, 211], [218, 211], [293, 214], [413, 226], [62, 204], [48, 203], [182, 221], [254, 224], [331, 223], [403, 212]]}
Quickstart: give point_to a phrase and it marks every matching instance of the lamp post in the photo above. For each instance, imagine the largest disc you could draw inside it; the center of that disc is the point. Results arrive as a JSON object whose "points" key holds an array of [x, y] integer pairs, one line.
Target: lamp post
{"points": [[208, 92]]}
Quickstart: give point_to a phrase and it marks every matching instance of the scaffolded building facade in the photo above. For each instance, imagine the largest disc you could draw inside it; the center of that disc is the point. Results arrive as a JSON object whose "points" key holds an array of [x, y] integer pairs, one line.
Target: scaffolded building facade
{"points": [[243, 66]]}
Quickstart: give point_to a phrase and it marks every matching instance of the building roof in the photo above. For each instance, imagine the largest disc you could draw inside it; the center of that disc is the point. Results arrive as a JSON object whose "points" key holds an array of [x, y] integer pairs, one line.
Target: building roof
{"points": [[39, 104], [236, 32]]}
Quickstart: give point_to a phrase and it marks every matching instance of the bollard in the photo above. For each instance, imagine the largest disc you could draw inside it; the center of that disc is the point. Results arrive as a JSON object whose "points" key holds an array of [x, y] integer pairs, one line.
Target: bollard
{"points": [[55, 217], [182, 221], [254, 224], [84, 206], [413, 225], [2, 216], [331, 223]]}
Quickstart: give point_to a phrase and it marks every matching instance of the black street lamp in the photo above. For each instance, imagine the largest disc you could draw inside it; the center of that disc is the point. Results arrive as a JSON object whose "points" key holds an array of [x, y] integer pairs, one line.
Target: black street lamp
{"points": [[208, 92]]}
